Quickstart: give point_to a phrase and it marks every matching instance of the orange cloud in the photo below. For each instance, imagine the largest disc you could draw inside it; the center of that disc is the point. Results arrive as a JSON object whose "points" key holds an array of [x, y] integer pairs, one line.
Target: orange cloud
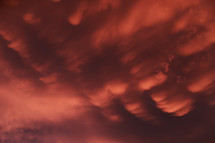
{"points": [[202, 82], [107, 71], [30, 18], [152, 81]]}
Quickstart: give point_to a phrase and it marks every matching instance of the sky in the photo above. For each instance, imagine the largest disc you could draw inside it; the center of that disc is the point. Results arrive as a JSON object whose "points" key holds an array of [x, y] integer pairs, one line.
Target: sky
{"points": [[107, 71]]}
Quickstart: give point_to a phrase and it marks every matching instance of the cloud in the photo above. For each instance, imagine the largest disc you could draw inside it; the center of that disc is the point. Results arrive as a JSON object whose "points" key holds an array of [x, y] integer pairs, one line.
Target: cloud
{"points": [[107, 71]]}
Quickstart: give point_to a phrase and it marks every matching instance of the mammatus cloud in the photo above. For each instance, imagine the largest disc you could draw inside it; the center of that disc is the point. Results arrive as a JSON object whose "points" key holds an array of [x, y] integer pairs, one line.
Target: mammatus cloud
{"points": [[107, 71]]}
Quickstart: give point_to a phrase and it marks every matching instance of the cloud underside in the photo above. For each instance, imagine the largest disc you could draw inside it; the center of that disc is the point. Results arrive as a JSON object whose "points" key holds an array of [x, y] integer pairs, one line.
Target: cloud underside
{"points": [[107, 71]]}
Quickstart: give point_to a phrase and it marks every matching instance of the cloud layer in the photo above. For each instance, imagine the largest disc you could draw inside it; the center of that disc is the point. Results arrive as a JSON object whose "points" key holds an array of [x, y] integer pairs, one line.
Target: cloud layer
{"points": [[107, 71]]}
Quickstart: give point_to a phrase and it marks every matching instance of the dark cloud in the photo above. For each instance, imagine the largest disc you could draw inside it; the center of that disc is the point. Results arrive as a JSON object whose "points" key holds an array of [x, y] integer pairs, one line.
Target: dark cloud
{"points": [[107, 71]]}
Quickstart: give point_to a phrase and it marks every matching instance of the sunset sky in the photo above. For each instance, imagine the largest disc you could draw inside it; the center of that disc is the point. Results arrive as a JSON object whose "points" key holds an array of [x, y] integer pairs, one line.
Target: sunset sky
{"points": [[107, 71]]}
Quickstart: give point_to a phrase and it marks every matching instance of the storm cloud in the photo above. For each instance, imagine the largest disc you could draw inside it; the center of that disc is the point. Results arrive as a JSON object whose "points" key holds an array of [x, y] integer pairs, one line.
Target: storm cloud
{"points": [[107, 71]]}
